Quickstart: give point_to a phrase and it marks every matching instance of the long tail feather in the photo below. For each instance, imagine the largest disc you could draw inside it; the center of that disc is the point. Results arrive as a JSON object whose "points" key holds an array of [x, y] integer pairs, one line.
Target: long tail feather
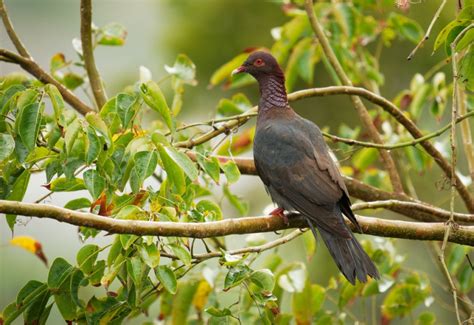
{"points": [[350, 257]]}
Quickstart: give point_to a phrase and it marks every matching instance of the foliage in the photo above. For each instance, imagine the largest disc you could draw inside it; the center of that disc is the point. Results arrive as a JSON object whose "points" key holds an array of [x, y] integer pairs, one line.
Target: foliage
{"points": [[125, 162]]}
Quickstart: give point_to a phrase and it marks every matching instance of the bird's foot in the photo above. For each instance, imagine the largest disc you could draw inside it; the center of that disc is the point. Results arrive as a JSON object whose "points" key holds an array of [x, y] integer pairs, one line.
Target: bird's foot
{"points": [[280, 212]]}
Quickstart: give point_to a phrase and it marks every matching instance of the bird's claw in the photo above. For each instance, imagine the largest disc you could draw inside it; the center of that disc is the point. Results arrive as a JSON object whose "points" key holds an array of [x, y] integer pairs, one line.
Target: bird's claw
{"points": [[280, 212]]}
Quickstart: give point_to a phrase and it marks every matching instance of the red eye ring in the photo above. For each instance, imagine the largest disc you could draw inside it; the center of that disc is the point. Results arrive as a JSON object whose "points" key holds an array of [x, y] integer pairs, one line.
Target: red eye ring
{"points": [[258, 63]]}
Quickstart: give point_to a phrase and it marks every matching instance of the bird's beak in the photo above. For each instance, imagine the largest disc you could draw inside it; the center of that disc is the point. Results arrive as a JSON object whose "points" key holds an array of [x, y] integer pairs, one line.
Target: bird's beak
{"points": [[239, 70]]}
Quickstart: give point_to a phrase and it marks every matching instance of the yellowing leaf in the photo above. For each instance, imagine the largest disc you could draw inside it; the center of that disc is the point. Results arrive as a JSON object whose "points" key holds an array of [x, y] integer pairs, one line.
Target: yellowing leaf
{"points": [[31, 245], [202, 293]]}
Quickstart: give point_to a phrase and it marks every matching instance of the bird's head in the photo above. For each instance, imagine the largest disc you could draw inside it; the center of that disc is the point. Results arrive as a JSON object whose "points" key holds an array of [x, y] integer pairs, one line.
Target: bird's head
{"points": [[259, 64]]}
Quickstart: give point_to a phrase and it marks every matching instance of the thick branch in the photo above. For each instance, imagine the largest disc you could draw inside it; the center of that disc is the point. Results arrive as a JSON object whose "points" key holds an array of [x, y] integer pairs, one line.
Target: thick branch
{"points": [[35, 70], [358, 104], [371, 226], [88, 54]]}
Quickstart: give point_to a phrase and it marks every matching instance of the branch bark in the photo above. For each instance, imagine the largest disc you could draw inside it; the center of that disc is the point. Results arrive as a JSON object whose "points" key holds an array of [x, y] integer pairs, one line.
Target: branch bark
{"points": [[88, 54], [358, 104], [371, 226]]}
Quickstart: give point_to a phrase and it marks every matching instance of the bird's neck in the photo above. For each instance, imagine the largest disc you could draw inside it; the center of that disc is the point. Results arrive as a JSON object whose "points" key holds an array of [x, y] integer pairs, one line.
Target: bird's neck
{"points": [[272, 92]]}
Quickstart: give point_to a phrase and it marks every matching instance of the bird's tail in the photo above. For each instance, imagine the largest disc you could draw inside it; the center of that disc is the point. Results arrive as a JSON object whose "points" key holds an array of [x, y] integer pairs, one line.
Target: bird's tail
{"points": [[350, 257]]}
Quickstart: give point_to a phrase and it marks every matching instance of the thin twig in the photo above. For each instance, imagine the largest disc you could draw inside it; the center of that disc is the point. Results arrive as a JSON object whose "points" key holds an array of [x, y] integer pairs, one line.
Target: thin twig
{"points": [[450, 222], [88, 54], [428, 31], [253, 249], [358, 104]]}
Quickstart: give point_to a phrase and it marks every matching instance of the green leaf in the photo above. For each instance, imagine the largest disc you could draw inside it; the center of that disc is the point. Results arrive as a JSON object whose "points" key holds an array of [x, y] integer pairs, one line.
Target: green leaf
{"points": [[309, 244], [456, 257], [76, 279], [29, 124], [7, 146], [301, 52], [401, 300], [236, 276], [145, 165], [210, 166], [175, 175], [443, 34], [231, 171], [17, 193], [467, 12], [407, 27], [150, 255], [112, 34], [57, 103], [183, 161], [182, 301], [136, 269], [57, 62], [72, 80], [218, 312], [63, 184], [210, 210], [364, 158], [59, 270], [129, 212], [71, 134], [154, 98], [227, 107], [126, 108], [167, 278], [94, 183], [182, 253], [183, 69], [466, 278], [77, 204], [301, 305], [86, 258], [225, 70], [466, 40], [99, 125], [466, 70], [426, 318], [264, 279], [93, 147]]}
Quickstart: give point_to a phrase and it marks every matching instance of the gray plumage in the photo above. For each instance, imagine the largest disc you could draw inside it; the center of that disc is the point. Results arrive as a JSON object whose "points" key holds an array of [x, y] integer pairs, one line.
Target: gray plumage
{"points": [[293, 162]]}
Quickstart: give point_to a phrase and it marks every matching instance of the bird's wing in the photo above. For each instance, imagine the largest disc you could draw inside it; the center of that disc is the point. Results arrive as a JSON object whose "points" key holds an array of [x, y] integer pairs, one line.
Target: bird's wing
{"points": [[294, 161]]}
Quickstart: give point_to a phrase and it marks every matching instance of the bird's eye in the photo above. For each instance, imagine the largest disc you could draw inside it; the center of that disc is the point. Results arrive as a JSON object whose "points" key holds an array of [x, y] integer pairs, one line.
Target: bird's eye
{"points": [[258, 63]]}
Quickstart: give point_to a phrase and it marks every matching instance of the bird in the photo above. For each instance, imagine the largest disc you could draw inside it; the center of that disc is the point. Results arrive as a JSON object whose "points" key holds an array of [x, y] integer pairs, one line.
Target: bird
{"points": [[294, 163]]}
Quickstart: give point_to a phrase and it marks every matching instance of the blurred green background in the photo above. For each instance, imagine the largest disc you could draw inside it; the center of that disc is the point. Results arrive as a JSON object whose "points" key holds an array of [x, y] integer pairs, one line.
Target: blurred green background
{"points": [[210, 32]]}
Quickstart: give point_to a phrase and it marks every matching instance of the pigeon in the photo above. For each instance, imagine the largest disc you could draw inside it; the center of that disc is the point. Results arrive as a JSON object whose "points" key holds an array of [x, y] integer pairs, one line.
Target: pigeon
{"points": [[294, 163]]}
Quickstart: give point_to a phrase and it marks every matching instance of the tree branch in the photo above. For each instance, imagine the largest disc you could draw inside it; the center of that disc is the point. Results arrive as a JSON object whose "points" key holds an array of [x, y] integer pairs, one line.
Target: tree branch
{"points": [[88, 54], [371, 226], [358, 104], [428, 31]]}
